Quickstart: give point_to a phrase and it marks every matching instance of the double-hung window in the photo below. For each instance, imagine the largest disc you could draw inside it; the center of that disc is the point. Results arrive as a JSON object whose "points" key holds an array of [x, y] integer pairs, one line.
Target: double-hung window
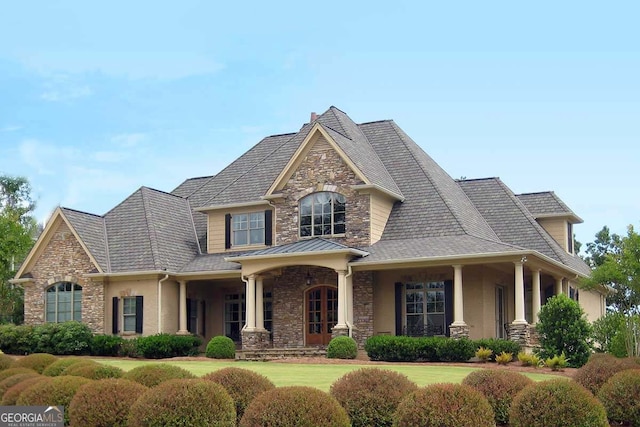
{"points": [[425, 308], [129, 314], [248, 229]]}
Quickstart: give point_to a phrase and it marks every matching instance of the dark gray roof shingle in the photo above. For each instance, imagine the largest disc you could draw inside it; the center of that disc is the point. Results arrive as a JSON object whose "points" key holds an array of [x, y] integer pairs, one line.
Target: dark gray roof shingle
{"points": [[545, 203], [91, 229]]}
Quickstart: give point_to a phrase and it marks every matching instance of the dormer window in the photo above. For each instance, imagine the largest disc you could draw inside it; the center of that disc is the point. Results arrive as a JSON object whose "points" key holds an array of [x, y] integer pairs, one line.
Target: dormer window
{"points": [[248, 229], [322, 214]]}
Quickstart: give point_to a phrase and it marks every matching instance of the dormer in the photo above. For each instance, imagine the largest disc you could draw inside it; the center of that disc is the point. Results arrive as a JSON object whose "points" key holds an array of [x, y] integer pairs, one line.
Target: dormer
{"points": [[239, 227], [554, 216]]}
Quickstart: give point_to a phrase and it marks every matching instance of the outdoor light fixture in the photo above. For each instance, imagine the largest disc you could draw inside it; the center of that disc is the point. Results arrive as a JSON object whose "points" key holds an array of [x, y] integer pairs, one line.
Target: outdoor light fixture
{"points": [[309, 278]]}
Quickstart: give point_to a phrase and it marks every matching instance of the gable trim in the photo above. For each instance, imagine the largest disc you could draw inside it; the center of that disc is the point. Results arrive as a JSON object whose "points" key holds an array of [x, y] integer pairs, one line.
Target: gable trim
{"points": [[45, 238], [301, 152]]}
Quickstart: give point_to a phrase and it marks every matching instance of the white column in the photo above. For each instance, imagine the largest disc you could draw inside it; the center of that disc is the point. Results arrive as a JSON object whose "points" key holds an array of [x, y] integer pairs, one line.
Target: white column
{"points": [[259, 304], [251, 304], [559, 285], [458, 302], [342, 300], [349, 286], [519, 293], [535, 286], [182, 327]]}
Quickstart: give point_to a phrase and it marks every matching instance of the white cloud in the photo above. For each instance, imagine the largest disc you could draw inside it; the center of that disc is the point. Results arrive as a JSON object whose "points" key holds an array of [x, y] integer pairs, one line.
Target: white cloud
{"points": [[67, 94], [44, 158], [10, 128], [132, 65], [129, 140]]}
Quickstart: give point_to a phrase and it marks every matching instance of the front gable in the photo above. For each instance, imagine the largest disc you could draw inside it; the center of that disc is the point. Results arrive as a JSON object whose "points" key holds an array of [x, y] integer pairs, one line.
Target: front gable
{"points": [[59, 245]]}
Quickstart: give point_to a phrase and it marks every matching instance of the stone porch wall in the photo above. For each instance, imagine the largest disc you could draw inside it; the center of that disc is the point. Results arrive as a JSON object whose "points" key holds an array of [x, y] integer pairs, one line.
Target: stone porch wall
{"points": [[362, 306], [64, 260]]}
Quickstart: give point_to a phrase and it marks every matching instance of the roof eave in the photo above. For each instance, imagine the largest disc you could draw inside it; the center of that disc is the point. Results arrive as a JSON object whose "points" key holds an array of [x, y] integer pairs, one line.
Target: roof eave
{"points": [[571, 217], [348, 251], [232, 206], [376, 187]]}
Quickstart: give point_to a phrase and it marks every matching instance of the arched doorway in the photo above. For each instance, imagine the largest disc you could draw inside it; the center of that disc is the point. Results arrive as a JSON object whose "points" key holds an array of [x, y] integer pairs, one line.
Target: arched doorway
{"points": [[321, 304]]}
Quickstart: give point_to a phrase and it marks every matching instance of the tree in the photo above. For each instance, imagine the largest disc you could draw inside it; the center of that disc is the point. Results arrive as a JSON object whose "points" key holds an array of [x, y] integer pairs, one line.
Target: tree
{"points": [[17, 231], [564, 328]]}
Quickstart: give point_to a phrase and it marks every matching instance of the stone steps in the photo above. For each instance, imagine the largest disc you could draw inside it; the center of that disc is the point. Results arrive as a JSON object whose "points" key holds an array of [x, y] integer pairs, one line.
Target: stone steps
{"points": [[280, 353]]}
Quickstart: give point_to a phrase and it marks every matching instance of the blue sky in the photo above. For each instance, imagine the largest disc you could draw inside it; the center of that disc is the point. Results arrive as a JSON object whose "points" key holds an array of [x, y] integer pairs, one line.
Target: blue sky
{"points": [[97, 100]]}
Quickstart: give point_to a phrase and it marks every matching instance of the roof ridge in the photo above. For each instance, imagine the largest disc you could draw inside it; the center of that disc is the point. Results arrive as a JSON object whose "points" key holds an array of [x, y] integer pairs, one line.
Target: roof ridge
{"points": [[477, 179], [535, 192], [151, 229], [106, 244], [252, 167], [82, 212], [374, 121], [438, 191]]}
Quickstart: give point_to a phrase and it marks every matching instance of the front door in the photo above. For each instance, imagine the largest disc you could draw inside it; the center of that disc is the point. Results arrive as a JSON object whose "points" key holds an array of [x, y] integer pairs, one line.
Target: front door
{"points": [[322, 314]]}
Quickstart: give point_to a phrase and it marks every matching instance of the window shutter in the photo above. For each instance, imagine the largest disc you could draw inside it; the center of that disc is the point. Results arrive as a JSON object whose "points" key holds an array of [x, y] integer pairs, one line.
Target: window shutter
{"points": [[115, 315], [268, 227], [189, 325], [227, 231], [399, 308], [139, 312], [203, 319], [448, 304]]}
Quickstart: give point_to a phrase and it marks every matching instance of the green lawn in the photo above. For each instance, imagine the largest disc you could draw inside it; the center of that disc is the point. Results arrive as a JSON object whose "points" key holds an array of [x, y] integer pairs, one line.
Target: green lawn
{"points": [[317, 375]]}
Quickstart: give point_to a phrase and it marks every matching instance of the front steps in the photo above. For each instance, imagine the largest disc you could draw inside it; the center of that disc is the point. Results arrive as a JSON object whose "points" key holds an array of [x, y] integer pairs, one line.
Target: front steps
{"points": [[280, 353]]}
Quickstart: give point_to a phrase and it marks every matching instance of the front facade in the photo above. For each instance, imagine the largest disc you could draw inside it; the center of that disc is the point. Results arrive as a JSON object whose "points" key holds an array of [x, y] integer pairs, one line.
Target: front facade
{"points": [[337, 229]]}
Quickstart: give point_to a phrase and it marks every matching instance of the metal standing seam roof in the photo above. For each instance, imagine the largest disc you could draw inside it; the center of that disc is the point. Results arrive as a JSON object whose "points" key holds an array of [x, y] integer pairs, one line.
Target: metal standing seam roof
{"points": [[307, 246]]}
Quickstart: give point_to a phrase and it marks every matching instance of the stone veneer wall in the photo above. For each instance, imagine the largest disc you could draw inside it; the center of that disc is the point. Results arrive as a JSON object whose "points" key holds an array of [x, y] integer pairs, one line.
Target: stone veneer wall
{"points": [[323, 170], [362, 306], [64, 260]]}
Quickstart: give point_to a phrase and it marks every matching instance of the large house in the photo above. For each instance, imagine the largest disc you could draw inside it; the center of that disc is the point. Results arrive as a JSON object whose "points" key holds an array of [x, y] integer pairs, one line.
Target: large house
{"points": [[339, 228]]}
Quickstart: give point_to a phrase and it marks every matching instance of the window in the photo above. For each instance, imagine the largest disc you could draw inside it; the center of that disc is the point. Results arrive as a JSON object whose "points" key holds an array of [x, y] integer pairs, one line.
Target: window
{"points": [[235, 313], [129, 314], [322, 214], [248, 229], [425, 309], [570, 238], [64, 302]]}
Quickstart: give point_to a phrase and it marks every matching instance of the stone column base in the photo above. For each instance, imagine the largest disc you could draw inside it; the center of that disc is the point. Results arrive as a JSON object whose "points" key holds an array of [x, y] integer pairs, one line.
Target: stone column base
{"points": [[255, 340], [459, 331], [339, 331], [520, 333]]}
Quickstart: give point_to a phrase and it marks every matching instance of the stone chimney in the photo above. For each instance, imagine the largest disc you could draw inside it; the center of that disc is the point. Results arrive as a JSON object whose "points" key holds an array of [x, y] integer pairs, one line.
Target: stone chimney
{"points": [[314, 116]]}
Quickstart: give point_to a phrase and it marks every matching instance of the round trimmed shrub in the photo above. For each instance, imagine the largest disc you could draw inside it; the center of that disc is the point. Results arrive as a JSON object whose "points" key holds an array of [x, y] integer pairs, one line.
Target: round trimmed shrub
{"points": [[556, 403], [36, 361], [152, 374], [371, 395], [95, 371], [58, 391], [57, 367], [599, 369], [7, 383], [342, 348], [13, 371], [242, 385], [12, 394], [444, 405], [184, 402], [5, 361], [499, 387], [294, 406], [104, 403], [619, 395], [221, 347]]}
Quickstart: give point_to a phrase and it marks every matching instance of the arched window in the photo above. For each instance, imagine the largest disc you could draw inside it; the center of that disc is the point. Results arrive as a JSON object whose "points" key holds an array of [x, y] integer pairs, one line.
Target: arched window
{"points": [[64, 302], [322, 214]]}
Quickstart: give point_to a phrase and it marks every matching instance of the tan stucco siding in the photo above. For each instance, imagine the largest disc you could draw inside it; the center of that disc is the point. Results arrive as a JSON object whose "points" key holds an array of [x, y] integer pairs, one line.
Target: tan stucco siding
{"points": [[148, 288], [593, 304], [380, 211], [170, 307], [557, 228]]}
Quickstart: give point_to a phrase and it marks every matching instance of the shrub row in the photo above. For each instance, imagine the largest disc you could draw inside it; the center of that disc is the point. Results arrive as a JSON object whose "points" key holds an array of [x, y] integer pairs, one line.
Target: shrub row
{"points": [[76, 338], [432, 349]]}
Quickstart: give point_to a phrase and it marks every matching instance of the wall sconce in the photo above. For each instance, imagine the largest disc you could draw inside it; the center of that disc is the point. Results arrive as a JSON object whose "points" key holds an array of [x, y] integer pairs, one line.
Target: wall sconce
{"points": [[309, 278]]}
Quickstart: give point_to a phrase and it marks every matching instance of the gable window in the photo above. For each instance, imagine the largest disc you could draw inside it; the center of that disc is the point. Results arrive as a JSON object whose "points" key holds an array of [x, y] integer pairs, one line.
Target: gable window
{"points": [[248, 229], [322, 214], [63, 302]]}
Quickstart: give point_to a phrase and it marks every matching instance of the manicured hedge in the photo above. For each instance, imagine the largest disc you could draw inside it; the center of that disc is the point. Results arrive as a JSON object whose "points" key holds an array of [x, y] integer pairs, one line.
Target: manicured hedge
{"points": [[161, 346], [390, 348], [342, 348]]}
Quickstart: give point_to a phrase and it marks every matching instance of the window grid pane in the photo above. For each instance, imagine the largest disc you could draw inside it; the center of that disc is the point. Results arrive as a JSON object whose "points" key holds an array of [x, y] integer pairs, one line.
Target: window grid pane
{"points": [[322, 214], [63, 302]]}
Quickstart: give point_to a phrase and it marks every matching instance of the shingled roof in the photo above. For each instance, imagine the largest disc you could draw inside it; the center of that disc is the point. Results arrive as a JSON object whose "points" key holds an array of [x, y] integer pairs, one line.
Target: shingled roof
{"points": [[437, 216]]}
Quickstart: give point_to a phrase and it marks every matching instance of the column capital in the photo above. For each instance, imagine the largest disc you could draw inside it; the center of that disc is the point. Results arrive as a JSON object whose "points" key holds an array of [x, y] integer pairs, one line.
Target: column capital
{"points": [[343, 272], [457, 265]]}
